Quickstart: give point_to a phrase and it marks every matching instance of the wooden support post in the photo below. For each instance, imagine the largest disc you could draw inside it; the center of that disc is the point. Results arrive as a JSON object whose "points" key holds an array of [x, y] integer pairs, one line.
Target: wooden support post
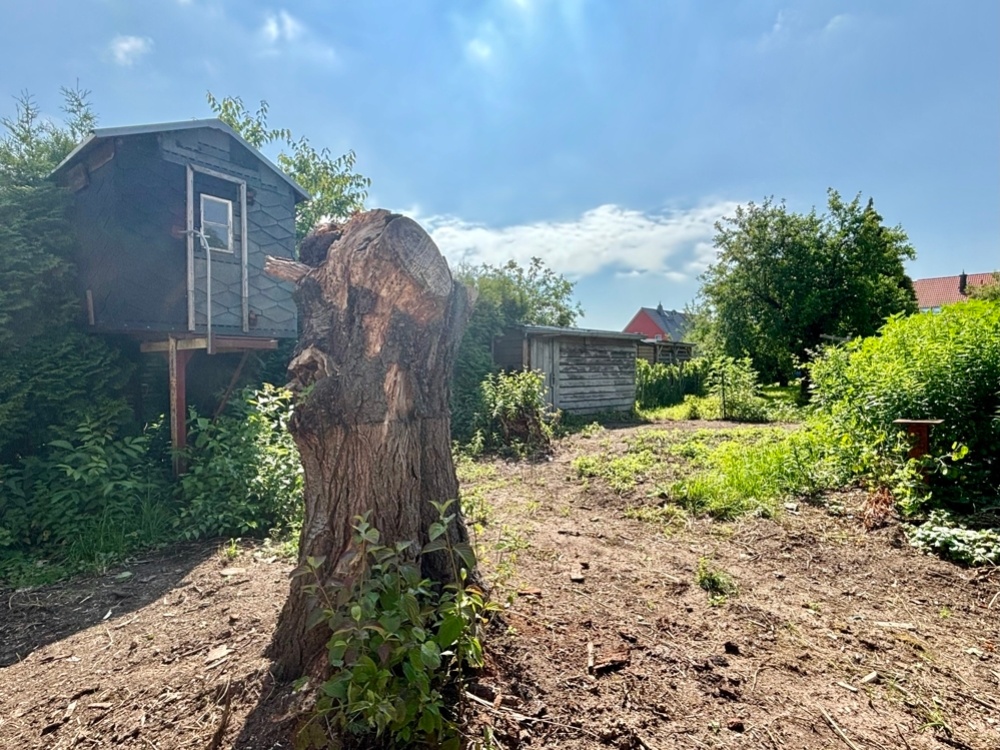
{"points": [[919, 431], [177, 361]]}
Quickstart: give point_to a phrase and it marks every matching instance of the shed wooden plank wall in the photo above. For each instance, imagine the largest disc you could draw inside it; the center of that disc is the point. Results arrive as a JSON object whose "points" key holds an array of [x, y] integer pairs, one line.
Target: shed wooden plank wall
{"points": [[594, 375], [667, 352]]}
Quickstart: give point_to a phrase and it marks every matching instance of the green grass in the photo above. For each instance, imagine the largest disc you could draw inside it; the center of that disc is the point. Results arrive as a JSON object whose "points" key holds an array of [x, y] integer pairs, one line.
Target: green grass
{"points": [[754, 474], [621, 473]]}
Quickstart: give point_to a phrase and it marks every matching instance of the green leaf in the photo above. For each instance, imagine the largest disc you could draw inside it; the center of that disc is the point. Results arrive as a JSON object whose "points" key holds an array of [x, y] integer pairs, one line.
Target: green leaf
{"points": [[430, 655], [450, 630]]}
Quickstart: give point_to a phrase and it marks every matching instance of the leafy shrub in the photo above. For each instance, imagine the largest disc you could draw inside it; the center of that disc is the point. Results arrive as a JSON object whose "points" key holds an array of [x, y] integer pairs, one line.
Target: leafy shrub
{"points": [[515, 414], [735, 384], [244, 476], [399, 643], [662, 384], [942, 366], [95, 477]]}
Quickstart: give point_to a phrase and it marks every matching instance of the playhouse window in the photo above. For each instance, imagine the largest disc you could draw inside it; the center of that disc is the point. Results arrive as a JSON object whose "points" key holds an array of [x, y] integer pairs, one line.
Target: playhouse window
{"points": [[217, 222]]}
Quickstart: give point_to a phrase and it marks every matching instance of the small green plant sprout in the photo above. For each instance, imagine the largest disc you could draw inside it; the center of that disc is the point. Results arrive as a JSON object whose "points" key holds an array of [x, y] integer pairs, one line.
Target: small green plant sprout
{"points": [[231, 550], [399, 643], [592, 430], [944, 613], [716, 582]]}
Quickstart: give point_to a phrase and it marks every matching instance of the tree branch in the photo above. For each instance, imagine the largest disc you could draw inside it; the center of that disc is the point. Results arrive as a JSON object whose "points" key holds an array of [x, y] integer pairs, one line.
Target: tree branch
{"points": [[285, 269]]}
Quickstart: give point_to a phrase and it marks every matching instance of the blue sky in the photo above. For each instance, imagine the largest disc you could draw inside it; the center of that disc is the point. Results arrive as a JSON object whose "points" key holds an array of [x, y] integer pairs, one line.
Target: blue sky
{"points": [[605, 136]]}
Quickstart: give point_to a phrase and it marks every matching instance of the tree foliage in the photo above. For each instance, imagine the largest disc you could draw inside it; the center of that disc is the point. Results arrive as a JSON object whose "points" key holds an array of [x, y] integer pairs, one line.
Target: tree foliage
{"points": [[990, 291], [783, 281], [507, 295], [52, 374], [336, 190]]}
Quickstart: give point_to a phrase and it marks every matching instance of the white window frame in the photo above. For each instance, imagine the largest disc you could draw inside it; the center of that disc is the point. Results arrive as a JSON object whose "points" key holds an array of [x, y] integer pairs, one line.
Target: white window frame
{"points": [[230, 244]]}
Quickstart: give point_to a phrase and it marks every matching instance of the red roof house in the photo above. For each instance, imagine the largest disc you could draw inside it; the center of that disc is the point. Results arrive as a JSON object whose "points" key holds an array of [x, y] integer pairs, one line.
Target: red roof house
{"points": [[944, 290], [657, 323]]}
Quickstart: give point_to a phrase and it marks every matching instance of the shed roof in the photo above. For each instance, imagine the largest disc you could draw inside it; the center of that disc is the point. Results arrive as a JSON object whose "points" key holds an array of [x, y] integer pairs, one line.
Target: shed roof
{"points": [[99, 135], [531, 330], [944, 290]]}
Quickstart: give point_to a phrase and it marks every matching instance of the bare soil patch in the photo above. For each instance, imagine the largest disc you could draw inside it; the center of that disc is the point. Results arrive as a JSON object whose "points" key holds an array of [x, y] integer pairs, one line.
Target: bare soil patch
{"points": [[836, 637]]}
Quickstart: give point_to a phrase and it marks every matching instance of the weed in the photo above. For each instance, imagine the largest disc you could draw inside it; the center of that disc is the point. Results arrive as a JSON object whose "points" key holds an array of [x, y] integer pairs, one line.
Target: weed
{"points": [[715, 581], [668, 517], [231, 550]]}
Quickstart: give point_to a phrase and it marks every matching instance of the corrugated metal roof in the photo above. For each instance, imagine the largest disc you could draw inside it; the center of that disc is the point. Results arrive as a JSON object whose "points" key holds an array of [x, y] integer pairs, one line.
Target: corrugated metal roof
{"points": [[578, 332], [944, 290], [100, 134]]}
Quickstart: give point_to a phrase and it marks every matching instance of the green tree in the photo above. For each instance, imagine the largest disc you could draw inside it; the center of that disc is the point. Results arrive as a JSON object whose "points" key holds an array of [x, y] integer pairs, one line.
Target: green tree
{"points": [[784, 282], [506, 295], [336, 190], [989, 291], [52, 374]]}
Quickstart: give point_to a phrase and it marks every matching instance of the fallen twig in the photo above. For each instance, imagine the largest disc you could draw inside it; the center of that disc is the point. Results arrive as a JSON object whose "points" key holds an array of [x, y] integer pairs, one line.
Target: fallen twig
{"points": [[519, 717], [838, 730], [220, 730]]}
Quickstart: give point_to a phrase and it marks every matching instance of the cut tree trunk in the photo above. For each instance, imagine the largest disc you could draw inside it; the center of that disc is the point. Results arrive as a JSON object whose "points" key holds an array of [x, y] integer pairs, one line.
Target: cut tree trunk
{"points": [[381, 323]]}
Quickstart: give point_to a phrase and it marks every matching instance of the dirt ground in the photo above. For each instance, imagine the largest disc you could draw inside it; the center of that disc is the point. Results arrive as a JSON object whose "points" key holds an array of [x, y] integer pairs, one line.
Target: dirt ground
{"points": [[836, 638]]}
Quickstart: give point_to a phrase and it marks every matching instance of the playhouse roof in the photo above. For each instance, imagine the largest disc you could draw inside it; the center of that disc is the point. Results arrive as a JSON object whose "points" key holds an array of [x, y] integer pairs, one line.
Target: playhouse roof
{"points": [[99, 135]]}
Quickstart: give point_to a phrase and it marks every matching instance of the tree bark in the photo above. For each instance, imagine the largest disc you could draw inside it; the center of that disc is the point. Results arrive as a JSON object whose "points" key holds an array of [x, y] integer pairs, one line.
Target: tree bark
{"points": [[382, 321]]}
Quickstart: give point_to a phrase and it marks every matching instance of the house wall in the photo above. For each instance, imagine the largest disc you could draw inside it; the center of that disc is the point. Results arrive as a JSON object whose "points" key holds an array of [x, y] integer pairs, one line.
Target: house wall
{"points": [[644, 324]]}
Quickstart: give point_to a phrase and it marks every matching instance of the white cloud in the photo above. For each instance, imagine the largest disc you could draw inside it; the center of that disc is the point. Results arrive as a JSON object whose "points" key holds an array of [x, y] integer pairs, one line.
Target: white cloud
{"points": [[281, 27], [778, 33], [674, 243], [837, 23], [125, 50], [284, 34], [479, 50]]}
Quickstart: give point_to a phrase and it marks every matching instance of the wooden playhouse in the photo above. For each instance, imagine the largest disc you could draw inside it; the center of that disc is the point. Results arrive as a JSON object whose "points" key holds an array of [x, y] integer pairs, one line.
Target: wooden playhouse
{"points": [[173, 223]]}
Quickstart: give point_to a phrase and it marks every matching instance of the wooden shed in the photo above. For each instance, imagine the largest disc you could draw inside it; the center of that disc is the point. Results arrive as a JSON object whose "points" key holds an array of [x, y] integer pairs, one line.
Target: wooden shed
{"points": [[173, 224], [656, 351], [586, 371]]}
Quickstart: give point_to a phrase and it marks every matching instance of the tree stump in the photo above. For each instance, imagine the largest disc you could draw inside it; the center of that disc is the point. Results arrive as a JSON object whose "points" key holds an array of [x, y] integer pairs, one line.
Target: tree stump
{"points": [[381, 323]]}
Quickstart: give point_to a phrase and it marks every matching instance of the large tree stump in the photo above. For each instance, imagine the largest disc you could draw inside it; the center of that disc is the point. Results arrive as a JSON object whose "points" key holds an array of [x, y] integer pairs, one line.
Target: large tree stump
{"points": [[382, 321]]}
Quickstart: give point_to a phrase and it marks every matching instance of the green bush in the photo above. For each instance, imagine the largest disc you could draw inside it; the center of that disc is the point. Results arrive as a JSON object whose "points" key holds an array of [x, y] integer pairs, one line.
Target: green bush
{"points": [[735, 384], [933, 366], [515, 416], [662, 385], [95, 477], [244, 476], [398, 646]]}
